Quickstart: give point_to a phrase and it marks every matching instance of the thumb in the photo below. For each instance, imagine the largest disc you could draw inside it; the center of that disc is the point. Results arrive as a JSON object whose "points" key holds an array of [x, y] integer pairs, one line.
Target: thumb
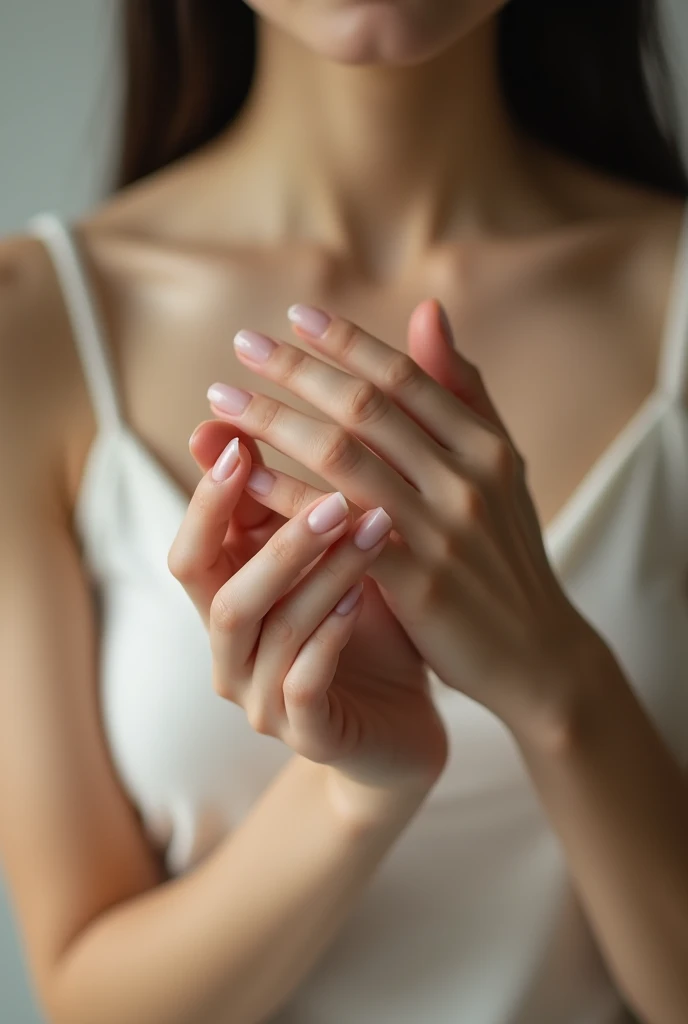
{"points": [[206, 443], [431, 345]]}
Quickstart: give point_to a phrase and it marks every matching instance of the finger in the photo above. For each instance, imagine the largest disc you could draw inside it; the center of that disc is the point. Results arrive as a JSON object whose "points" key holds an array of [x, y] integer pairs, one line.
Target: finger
{"points": [[197, 558], [449, 421], [313, 715], [292, 619], [205, 444], [287, 495], [239, 607], [431, 345], [280, 492], [327, 449], [358, 404]]}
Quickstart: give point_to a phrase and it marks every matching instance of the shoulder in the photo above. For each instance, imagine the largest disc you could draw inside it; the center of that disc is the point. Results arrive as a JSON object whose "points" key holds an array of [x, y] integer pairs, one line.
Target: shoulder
{"points": [[37, 375]]}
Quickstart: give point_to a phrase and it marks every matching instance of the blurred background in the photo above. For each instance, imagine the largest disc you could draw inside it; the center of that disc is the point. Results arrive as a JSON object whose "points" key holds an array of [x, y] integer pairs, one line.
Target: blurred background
{"points": [[59, 93]]}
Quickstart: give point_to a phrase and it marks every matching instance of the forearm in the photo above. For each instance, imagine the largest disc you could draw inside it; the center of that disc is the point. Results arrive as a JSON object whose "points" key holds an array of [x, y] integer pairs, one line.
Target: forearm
{"points": [[619, 803], [229, 942]]}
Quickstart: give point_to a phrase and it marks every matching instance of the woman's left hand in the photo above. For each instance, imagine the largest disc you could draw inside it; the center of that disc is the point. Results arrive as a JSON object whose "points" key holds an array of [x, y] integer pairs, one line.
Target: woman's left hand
{"points": [[466, 571]]}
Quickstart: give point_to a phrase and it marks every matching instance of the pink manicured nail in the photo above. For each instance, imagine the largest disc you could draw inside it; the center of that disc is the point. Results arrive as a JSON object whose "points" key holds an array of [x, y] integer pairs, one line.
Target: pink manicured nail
{"points": [[227, 462], [349, 600], [231, 400], [312, 321], [260, 480], [254, 346], [328, 513], [371, 528]]}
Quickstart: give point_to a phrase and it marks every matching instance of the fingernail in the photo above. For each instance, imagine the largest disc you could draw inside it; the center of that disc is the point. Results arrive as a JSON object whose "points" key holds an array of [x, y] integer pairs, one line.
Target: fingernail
{"points": [[349, 599], [260, 480], [254, 346], [372, 528], [312, 321], [328, 513], [446, 326], [227, 462], [230, 400]]}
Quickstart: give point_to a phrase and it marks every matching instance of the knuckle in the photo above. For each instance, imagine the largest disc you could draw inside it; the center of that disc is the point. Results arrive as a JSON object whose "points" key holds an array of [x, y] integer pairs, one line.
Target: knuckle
{"points": [[258, 718], [292, 360], [265, 414], [295, 693], [298, 498], [429, 586], [225, 613], [277, 628], [282, 548], [472, 505], [445, 549], [223, 687], [501, 460], [400, 373], [346, 337], [334, 571], [365, 403], [340, 452], [181, 565]]}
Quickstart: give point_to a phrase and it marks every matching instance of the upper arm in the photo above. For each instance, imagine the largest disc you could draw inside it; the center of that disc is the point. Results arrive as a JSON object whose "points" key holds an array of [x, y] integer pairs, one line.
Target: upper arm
{"points": [[70, 842]]}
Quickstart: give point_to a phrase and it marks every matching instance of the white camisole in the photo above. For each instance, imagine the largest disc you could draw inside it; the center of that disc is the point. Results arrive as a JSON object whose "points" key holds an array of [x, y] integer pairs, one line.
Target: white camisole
{"points": [[471, 918]]}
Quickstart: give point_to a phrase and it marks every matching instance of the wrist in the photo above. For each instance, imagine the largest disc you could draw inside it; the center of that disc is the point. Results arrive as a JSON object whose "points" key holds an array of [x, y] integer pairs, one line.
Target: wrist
{"points": [[361, 806], [576, 694]]}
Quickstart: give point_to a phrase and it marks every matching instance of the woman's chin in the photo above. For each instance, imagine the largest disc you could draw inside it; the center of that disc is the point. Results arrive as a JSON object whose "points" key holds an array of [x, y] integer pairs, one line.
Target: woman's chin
{"points": [[386, 32], [373, 33]]}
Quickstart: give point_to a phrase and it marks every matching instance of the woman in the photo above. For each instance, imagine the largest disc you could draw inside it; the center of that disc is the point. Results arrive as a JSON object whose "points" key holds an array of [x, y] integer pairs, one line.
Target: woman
{"points": [[234, 788]]}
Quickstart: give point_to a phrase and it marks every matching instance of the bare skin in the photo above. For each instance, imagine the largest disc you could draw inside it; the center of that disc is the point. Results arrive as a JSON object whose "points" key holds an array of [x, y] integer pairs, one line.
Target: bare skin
{"points": [[556, 281], [558, 295]]}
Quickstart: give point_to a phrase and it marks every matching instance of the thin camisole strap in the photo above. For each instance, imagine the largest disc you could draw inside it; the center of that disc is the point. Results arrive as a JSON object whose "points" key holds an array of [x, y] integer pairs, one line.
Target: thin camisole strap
{"points": [[87, 326], [673, 363]]}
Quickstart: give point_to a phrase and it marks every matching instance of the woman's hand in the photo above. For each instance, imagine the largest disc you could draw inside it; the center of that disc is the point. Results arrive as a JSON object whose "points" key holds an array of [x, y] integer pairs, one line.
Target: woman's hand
{"points": [[279, 621], [466, 572]]}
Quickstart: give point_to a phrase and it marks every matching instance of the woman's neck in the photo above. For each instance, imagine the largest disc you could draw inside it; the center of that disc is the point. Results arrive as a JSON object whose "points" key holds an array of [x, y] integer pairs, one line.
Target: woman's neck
{"points": [[382, 163]]}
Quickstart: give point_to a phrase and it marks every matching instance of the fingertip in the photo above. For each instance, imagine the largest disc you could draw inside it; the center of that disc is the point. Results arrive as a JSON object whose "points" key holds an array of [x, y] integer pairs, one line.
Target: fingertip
{"points": [[350, 599], [229, 461]]}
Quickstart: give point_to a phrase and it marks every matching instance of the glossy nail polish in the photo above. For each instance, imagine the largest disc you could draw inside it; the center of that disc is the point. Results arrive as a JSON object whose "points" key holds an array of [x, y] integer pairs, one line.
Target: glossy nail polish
{"points": [[313, 321], [233, 401], [260, 480], [372, 528], [349, 600], [227, 462], [256, 347], [329, 513]]}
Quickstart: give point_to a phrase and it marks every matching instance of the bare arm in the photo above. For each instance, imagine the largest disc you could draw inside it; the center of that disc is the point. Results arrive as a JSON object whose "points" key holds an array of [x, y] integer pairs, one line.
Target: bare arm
{"points": [[620, 805], [108, 937], [230, 942]]}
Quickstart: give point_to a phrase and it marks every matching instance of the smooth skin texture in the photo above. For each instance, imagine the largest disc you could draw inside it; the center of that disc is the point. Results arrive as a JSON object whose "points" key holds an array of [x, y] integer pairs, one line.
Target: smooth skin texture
{"points": [[276, 636], [471, 584], [405, 181]]}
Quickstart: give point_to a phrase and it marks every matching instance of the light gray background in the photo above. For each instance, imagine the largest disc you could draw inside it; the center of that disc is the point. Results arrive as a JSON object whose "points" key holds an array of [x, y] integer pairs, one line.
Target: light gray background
{"points": [[58, 96]]}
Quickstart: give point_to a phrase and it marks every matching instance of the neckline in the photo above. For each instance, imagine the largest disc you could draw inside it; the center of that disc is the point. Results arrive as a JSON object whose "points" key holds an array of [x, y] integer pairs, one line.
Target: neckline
{"points": [[561, 527], [559, 531]]}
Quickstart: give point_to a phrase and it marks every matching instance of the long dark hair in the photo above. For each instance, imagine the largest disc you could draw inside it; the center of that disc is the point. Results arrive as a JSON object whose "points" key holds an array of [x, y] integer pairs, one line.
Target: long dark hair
{"points": [[572, 72]]}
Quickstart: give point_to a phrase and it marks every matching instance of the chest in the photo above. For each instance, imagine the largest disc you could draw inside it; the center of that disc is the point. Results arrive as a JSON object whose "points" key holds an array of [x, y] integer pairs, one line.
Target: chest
{"points": [[568, 360]]}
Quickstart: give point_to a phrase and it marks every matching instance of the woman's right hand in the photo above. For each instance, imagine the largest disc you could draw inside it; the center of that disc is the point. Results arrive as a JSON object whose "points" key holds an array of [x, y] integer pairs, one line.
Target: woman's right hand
{"points": [[279, 621]]}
